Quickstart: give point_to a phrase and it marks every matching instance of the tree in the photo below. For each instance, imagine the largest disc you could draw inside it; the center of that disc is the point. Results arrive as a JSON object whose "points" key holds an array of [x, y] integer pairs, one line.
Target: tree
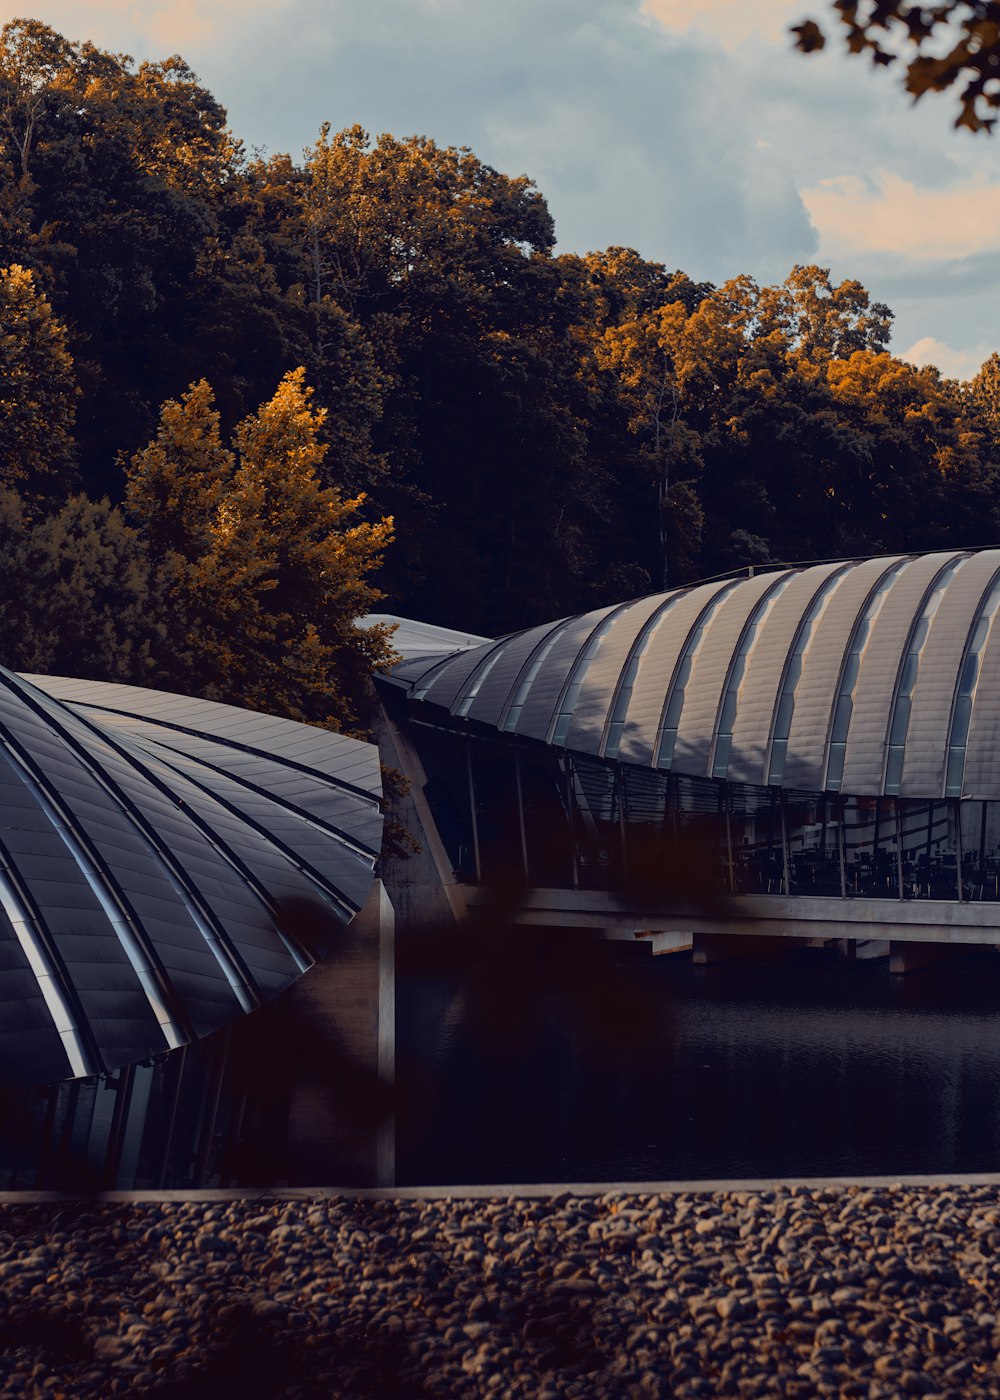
{"points": [[983, 393], [694, 366], [175, 486], [32, 56], [120, 190], [80, 597], [944, 45], [650, 357], [443, 345], [384, 221], [268, 569], [37, 389]]}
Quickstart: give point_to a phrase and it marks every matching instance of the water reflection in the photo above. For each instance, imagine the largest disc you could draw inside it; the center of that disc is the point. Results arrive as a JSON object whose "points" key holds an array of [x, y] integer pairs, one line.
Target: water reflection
{"points": [[810, 1068]]}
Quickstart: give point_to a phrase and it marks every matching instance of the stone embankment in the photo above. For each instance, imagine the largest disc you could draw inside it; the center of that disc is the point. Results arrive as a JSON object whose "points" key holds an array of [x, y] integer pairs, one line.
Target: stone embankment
{"points": [[797, 1291]]}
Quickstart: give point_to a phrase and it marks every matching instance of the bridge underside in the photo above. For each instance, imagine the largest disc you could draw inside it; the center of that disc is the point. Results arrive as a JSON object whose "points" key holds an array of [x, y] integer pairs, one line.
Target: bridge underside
{"points": [[912, 934], [772, 916]]}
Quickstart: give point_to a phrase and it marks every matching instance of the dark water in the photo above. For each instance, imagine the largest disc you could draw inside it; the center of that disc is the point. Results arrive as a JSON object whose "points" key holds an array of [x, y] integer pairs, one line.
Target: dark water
{"points": [[647, 1069]]}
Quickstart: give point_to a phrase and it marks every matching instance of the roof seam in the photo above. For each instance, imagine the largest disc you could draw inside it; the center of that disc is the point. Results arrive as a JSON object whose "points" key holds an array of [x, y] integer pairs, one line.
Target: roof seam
{"points": [[218, 942]]}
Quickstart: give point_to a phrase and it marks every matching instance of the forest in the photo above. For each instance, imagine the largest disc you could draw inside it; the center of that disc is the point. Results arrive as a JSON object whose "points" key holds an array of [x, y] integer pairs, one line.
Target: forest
{"points": [[245, 399]]}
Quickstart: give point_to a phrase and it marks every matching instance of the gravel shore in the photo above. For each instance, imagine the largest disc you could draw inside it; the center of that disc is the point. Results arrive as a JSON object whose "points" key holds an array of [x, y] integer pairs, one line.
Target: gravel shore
{"points": [[797, 1291]]}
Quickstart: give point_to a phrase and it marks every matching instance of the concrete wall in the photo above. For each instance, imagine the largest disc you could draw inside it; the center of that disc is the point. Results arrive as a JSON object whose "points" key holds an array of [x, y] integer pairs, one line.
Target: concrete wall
{"points": [[341, 1110]]}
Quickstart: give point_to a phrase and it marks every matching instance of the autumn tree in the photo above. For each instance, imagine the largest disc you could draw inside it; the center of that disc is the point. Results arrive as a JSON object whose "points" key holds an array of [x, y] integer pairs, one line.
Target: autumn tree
{"points": [[442, 268], [650, 360], [37, 389], [119, 189], [924, 479], [550, 432], [702, 373], [983, 394], [268, 568]]}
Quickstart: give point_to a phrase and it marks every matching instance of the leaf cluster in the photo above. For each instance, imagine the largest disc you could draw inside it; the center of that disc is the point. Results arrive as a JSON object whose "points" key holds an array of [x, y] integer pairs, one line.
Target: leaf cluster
{"points": [[955, 44]]}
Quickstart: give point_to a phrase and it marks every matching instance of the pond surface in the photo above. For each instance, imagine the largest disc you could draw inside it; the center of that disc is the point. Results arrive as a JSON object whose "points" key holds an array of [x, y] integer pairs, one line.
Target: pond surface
{"points": [[604, 1067]]}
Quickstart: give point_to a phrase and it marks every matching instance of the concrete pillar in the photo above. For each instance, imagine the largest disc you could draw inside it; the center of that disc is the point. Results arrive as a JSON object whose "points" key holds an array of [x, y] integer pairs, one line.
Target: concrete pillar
{"points": [[341, 1130], [860, 949], [663, 943], [385, 1145], [913, 957]]}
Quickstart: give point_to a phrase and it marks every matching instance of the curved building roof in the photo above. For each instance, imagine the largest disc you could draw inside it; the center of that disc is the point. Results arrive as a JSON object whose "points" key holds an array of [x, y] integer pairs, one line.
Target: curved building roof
{"points": [[412, 639], [166, 864], [878, 676]]}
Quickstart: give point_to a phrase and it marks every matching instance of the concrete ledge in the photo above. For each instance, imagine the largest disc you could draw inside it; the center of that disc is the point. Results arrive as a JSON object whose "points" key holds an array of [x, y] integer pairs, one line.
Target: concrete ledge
{"points": [[772, 916], [502, 1192]]}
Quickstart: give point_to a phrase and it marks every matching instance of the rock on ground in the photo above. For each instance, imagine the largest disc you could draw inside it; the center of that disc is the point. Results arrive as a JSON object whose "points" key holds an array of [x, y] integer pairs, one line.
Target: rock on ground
{"points": [[839, 1291]]}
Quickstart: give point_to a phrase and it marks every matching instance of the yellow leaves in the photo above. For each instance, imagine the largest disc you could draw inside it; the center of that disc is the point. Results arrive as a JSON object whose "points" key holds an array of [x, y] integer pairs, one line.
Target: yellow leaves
{"points": [[887, 385], [270, 567], [174, 486]]}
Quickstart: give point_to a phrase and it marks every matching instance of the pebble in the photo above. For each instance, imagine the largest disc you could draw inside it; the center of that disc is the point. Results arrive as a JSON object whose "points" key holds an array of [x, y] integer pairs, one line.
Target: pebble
{"points": [[791, 1291]]}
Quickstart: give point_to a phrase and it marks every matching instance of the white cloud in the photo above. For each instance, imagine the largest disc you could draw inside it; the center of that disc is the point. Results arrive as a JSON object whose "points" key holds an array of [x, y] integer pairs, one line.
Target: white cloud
{"points": [[729, 23], [158, 26], [953, 364], [887, 214]]}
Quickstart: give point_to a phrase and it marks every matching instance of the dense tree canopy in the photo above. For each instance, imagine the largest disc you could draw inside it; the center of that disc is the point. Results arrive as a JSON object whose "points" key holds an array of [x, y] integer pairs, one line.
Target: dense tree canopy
{"points": [[549, 432]]}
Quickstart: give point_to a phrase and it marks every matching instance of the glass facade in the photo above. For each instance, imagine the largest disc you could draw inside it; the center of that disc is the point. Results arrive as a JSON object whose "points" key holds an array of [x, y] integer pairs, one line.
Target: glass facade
{"points": [[540, 816], [174, 1121]]}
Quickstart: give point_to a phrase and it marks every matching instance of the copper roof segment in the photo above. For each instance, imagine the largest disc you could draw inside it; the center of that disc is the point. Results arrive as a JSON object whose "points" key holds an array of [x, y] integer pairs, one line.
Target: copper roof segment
{"points": [[709, 669], [657, 667]]}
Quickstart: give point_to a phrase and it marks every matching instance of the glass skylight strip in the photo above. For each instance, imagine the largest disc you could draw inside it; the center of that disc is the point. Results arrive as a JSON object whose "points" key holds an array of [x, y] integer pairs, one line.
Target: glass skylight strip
{"points": [[626, 682], [429, 677], [900, 722], [78, 847], [734, 680], [793, 673], [666, 735], [577, 676], [531, 671], [844, 706], [968, 684], [144, 960], [475, 681]]}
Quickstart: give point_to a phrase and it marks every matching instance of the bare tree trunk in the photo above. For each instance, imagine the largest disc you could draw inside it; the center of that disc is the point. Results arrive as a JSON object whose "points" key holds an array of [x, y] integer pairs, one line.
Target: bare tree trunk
{"points": [[667, 384]]}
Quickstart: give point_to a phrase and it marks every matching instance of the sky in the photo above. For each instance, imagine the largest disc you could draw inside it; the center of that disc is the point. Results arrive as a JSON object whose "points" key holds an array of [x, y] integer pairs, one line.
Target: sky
{"points": [[686, 129]]}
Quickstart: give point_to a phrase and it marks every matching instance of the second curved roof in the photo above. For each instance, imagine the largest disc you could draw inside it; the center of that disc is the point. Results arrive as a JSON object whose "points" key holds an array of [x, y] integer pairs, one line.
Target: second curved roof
{"points": [[878, 676]]}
